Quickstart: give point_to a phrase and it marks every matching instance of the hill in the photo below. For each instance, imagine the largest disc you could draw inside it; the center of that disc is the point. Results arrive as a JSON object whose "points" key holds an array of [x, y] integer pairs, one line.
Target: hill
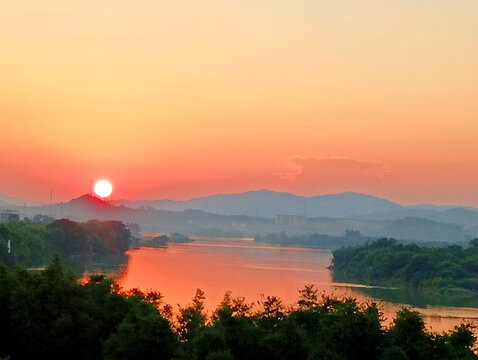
{"points": [[448, 214]]}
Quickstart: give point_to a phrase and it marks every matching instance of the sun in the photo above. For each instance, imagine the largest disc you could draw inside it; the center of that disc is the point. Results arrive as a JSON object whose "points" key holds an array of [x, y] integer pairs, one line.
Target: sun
{"points": [[103, 188]]}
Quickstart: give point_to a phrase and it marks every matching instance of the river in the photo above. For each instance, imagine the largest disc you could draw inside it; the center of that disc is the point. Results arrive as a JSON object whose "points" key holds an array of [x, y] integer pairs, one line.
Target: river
{"points": [[249, 269]]}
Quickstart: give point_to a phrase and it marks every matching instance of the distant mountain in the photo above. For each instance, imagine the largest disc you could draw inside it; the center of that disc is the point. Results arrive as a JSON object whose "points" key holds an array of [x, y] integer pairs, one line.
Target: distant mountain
{"points": [[414, 228], [88, 207], [201, 223], [267, 203], [254, 204], [447, 214], [439, 207], [7, 201]]}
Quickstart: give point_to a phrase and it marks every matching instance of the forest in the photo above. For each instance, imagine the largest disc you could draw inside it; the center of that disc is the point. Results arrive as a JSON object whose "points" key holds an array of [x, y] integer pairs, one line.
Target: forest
{"points": [[32, 245], [388, 262], [49, 314]]}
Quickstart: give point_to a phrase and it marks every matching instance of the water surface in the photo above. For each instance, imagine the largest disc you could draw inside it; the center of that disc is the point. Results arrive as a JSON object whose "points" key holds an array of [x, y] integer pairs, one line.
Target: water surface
{"points": [[250, 269]]}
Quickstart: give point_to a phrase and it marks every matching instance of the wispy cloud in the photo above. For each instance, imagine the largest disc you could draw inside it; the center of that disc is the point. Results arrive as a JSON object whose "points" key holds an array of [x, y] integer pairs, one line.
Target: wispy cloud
{"points": [[333, 173]]}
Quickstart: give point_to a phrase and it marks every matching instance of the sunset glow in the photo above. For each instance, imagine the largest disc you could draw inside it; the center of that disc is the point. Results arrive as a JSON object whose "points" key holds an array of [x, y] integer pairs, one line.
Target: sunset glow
{"points": [[180, 100], [103, 188]]}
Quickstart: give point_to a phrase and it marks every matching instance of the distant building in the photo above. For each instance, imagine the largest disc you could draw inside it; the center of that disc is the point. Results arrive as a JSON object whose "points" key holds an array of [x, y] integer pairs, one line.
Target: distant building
{"points": [[290, 220], [7, 216]]}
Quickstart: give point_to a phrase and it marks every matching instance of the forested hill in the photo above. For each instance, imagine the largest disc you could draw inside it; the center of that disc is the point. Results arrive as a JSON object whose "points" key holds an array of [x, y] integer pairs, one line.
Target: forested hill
{"points": [[34, 244], [385, 261]]}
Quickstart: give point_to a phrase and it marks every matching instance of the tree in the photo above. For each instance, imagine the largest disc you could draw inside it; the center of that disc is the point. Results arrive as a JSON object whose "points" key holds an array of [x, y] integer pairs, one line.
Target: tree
{"points": [[143, 334], [474, 243], [308, 297], [192, 317], [67, 236], [409, 334], [461, 340]]}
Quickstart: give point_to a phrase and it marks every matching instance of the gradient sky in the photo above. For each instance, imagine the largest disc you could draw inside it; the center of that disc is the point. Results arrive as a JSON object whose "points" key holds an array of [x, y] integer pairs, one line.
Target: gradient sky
{"points": [[179, 99]]}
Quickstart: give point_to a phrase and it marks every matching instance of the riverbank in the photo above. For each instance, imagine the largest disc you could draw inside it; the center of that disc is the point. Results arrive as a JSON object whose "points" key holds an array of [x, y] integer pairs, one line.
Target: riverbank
{"points": [[446, 272]]}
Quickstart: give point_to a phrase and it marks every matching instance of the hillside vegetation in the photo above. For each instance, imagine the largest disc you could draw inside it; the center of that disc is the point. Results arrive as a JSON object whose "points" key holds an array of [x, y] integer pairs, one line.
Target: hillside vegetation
{"points": [[34, 244], [385, 261]]}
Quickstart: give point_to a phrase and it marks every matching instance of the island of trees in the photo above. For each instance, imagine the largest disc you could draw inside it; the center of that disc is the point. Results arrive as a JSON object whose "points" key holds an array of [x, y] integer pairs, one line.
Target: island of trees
{"points": [[385, 261], [49, 314], [162, 240]]}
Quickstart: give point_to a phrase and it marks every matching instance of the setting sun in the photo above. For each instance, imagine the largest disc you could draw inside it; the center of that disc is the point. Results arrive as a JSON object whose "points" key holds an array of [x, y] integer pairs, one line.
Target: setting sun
{"points": [[103, 188]]}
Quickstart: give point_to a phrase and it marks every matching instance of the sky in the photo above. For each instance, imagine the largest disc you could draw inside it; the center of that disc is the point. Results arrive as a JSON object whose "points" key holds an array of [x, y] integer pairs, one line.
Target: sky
{"points": [[181, 99]]}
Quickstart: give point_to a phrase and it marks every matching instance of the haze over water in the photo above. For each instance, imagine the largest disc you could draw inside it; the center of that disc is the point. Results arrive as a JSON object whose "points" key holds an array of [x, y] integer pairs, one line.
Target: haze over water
{"points": [[249, 269]]}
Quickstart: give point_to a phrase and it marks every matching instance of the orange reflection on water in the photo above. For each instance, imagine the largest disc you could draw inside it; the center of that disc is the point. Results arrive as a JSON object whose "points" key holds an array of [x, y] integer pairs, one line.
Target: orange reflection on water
{"points": [[250, 270]]}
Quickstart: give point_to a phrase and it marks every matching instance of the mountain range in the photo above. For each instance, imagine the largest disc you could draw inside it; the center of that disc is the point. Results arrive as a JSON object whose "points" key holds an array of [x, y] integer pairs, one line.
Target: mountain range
{"points": [[269, 204], [254, 212]]}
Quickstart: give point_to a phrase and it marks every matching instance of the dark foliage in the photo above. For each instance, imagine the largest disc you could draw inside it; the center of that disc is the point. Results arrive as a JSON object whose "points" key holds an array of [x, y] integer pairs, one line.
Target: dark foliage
{"points": [[388, 262], [34, 244], [51, 315]]}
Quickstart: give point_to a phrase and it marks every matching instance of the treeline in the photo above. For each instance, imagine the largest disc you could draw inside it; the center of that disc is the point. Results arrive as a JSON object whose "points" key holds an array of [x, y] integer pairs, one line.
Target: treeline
{"points": [[162, 240], [350, 238], [385, 261], [34, 244], [51, 315]]}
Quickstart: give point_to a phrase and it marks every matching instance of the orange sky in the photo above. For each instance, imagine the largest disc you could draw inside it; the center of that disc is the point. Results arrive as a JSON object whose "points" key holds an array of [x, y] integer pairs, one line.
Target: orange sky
{"points": [[179, 99]]}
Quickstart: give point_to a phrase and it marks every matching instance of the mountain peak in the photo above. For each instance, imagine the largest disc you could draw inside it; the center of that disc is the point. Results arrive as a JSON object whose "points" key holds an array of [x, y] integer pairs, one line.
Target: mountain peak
{"points": [[88, 199]]}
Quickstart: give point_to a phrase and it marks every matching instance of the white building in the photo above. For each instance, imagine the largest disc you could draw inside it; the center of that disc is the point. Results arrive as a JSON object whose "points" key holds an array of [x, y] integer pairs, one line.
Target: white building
{"points": [[9, 215]]}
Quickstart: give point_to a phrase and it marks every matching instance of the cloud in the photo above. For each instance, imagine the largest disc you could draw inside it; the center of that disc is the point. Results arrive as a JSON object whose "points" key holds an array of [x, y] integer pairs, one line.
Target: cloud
{"points": [[334, 174]]}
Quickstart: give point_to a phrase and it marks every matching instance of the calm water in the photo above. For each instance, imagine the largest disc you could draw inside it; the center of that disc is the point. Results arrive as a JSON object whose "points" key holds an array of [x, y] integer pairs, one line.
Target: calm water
{"points": [[249, 270]]}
